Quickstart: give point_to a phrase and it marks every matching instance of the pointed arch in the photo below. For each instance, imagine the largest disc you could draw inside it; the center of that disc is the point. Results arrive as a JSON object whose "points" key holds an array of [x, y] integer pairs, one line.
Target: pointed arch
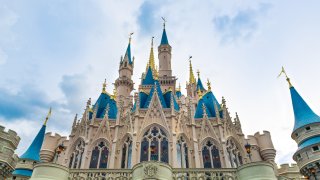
{"points": [[126, 146], [235, 152], [210, 151], [183, 156], [100, 153], [76, 153]]}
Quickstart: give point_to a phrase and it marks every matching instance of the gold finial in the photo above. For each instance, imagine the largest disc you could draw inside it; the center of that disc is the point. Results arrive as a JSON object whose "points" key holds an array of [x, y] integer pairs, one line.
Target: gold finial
{"points": [[287, 78], [47, 118], [198, 72], [164, 22], [104, 85], [130, 36], [179, 87], [191, 75], [151, 57], [199, 93], [209, 85]]}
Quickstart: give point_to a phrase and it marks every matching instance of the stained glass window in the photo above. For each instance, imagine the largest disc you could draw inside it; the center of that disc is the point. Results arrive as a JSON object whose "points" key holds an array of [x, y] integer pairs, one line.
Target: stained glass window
{"points": [[210, 156], [144, 150], [104, 158], [94, 158], [164, 151], [182, 153], [154, 142], [99, 156]]}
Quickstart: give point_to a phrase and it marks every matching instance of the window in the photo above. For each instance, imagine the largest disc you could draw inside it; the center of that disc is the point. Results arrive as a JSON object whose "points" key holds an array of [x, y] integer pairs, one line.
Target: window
{"points": [[126, 154], [210, 156], [76, 155], [99, 156], [234, 154], [308, 128], [315, 148], [182, 153], [154, 146], [299, 156]]}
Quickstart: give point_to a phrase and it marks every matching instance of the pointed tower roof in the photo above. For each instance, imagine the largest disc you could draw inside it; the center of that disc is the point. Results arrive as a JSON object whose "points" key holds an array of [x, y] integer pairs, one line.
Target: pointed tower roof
{"points": [[128, 51], [104, 100], [164, 38], [192, 80], [33, 152], [199, 83], [151, 57], [303, 114]]}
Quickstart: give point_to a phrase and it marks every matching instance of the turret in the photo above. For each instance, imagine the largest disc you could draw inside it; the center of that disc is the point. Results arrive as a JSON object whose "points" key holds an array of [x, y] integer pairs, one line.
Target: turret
{"points": [[28, 159], [306, 133], [164, 55], [124, 83]]}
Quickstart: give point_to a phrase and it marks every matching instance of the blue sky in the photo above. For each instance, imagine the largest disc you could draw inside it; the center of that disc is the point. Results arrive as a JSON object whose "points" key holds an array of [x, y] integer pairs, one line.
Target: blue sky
{"points": [[57, 53]]}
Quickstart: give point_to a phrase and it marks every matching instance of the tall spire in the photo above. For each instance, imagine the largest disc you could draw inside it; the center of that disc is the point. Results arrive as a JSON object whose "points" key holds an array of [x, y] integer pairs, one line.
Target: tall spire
{"points": [[303, 114], [47, 118], [199, 83], [191, 75], [151, 57], [128, 51], [104, 85], [164, 39]]}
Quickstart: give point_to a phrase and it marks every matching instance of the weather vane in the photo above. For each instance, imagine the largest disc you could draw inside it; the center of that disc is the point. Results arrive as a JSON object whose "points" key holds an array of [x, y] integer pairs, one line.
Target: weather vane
{"points": [[130, 35], [164, 22], [287, 78], [190, 57]]}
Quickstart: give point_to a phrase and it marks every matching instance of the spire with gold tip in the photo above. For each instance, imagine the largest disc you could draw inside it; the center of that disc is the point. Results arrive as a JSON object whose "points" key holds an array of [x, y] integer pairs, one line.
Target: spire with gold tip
{"points": [[192, 80], [151, 57], [104, 85], [303, 114], [199, 83], [209, 85]]}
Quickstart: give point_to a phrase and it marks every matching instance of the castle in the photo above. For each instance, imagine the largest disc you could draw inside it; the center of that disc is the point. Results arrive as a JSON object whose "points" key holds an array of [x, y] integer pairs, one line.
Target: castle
{"points": [[158, 132]]}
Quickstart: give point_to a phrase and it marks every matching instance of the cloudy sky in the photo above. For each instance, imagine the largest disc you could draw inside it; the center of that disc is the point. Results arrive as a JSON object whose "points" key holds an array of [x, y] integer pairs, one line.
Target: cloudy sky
{"points": [[58, 52]]}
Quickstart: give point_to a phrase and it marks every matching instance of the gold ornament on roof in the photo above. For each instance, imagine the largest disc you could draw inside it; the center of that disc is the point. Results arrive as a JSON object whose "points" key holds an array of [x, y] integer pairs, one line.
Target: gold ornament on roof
{"points": [[104, 85], [130, 36], [47, 117], [287, 78], [209, 85]]}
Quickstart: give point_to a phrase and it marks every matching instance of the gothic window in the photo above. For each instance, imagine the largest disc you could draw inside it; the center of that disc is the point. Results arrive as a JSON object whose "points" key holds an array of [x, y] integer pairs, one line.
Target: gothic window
{"points": [[126, 154], [99, 156], [182, 153], [154, 146], [210, 156], [234, 154], [76, 155]]}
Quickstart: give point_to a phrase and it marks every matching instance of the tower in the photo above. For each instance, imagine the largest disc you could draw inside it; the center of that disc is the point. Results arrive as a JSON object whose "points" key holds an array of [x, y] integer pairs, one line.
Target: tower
{"points": [[306, 133], [27, 161], [124, 83]]}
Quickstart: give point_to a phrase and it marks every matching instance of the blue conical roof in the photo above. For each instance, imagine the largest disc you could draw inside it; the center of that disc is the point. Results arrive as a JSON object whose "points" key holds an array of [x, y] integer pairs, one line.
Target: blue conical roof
{"points": [[128, 53], [208, 100], [164, 39], [148, 80], [103, 101], [303, 114], [33, 152], [200, 85]]}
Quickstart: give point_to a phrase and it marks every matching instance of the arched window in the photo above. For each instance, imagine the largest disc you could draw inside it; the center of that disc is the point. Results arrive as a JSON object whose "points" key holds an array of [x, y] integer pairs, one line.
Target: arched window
{"points": [[234, 154], [151, 141], [76, 155], [126, 154], [182, 153], [99, 156], [210, 155]]}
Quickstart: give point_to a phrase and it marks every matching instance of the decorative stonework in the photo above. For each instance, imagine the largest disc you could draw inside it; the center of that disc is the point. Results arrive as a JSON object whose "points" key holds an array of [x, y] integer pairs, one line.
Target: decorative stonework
{"points": [[150, 170]]}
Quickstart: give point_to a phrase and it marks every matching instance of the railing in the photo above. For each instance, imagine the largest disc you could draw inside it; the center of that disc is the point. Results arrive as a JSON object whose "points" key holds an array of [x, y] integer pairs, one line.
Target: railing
{"points": [[100, 174], [177, 174], [204, 174]]}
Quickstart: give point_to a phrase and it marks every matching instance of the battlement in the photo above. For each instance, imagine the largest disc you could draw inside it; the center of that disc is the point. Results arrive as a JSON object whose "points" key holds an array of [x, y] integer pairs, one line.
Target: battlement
{"points": [[9, 135], [285, 168]]}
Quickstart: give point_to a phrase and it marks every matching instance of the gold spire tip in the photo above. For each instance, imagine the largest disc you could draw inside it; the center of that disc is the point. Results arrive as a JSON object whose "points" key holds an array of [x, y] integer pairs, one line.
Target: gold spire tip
{"points": [[198, 72], [287, 78], [152, 41], [130, 36], [104, 85], [209, 84], [164, 22], [47, 118]]}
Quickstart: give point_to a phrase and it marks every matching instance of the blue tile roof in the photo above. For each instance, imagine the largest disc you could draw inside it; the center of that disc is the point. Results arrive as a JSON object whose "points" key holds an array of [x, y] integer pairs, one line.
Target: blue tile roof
{"points": [[167, 97], [309, 142], [164, 38], [303, 114], [22, 172], [103, 101], [148, 79], [208, 100], [33, 152], [200, 85]]}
